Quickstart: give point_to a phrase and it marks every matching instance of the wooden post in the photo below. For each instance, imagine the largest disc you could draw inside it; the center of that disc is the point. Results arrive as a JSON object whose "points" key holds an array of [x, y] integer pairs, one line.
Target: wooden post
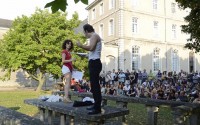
{"points": [[180, 115], [42, 114], [50, 117], [152, 114], [62, 119], [121, 105], [195, 117]]}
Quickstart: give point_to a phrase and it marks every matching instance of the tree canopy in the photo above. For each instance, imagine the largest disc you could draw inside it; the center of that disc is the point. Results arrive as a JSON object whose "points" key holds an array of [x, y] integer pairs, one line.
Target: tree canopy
{"points": [[34, 44], [61, 4], [193, 26]]}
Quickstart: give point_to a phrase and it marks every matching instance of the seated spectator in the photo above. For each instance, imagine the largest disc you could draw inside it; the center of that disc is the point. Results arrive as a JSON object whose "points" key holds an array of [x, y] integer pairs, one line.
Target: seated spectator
{"points": [[182, 97], [103, 89], [132, 92], [160, 93], [111, 91], [77, 87], [142, 93], [145, 83], [197, 100], [107, 88], [73, 83], [126, 88], [171, 95], [154, 93], [120, 90], [86, 87]]}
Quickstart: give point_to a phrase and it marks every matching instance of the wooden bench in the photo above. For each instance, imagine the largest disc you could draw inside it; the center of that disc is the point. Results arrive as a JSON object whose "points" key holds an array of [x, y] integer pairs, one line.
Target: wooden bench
{"points": [[67, 111], [181, 111], [12, 117]]}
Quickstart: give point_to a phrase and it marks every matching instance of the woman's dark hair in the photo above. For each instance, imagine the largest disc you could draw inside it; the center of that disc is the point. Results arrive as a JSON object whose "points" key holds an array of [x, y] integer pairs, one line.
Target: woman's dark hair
{"points": [[88, 28], [67, 42]]}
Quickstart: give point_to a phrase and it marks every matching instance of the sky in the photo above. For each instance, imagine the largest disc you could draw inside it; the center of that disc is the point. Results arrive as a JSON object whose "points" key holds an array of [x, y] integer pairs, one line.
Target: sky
{"points": [[10, 9]]}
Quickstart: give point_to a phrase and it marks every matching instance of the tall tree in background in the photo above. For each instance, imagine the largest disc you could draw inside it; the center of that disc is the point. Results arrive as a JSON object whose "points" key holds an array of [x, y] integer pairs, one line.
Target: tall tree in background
{"points": [[193, 26], [34, 45], [61, 4]]}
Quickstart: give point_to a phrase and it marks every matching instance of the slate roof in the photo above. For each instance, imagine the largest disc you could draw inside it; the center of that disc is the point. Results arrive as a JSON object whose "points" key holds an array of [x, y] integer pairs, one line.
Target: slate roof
{"points": [[79, 29], [5, 23]]}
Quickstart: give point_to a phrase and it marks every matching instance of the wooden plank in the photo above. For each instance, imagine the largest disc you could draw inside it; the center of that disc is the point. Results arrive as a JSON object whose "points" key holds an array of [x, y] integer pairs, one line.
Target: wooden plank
{"points": [[80, 112], [12, 117], [146, 101]]}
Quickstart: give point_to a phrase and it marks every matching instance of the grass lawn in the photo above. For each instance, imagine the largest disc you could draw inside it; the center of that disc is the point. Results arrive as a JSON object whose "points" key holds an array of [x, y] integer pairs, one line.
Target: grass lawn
{"points": [[15, 100], [137, 116]]}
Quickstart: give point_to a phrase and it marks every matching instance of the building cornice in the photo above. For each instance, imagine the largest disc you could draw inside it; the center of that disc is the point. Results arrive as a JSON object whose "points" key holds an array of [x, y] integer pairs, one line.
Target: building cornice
{"points": [[93, 4], [171, 17]]}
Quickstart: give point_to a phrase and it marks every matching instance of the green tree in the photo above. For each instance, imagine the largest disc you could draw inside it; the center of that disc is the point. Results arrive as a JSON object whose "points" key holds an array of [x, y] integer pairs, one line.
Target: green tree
{"points": [[61, 4], [193, 20], [34, 45]]}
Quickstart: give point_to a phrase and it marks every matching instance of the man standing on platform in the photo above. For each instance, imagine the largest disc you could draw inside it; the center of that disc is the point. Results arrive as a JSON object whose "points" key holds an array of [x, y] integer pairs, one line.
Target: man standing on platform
{"points": [[94, 65]]}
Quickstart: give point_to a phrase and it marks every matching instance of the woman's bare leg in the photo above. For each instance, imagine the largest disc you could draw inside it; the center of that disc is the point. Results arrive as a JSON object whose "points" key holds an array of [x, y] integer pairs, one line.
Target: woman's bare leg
{"points": [[67, 81]]}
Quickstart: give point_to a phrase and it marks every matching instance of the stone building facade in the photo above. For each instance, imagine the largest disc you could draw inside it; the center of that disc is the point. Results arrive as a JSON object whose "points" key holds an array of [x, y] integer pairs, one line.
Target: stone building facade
{"points": [[142, 34]]}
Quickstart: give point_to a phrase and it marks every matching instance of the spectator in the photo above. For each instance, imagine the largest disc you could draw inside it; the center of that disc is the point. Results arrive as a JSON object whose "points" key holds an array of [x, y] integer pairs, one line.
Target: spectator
{"points": [[140, 78], [122, 77], [127, 74], [144, 76], [182, 97], [150, 77], [171, 95], [131, 78], [116, 78], [120, 90], [135, 81], [103, 89], [160, 93], [197, 100], [132, 91], [102, 78], [126, 88], [159, 76], [113, 76], [111, 91]]}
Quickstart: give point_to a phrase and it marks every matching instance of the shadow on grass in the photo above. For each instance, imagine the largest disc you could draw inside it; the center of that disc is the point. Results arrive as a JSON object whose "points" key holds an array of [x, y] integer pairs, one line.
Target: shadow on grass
{"points": [[138, 114], [14, 108]]}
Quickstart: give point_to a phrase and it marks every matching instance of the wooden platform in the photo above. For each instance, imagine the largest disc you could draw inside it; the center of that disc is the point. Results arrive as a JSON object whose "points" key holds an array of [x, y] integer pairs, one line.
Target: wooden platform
{"points": [[67, 110]]}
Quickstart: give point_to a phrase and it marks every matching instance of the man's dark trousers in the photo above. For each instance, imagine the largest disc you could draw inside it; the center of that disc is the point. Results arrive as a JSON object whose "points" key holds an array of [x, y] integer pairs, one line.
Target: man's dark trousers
{"points": [[95, 67]]}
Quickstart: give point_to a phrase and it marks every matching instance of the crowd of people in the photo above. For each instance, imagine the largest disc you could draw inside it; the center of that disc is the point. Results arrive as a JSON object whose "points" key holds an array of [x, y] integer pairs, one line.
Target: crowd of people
{"points": [[180, 86]]}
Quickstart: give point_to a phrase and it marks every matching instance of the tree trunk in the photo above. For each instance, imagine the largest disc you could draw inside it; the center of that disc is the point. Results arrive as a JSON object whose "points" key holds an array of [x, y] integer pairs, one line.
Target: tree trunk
{"points": [[41, 80]]}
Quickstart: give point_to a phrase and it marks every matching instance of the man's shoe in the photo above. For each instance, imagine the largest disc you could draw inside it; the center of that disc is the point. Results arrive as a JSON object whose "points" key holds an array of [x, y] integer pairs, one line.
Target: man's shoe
{"points": [[93, 112], [90, 108]]}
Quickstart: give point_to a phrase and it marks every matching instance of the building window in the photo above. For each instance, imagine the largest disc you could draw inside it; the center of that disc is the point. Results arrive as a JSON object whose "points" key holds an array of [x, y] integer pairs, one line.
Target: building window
{"points": [[111, 27], [111, 4], [101, 30], [156, 59], [155, 28], [135, 58], [175, 60], [101, 10], [155, 4], [173, 31], [173, 7], [93, 14], [134, 24]]}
